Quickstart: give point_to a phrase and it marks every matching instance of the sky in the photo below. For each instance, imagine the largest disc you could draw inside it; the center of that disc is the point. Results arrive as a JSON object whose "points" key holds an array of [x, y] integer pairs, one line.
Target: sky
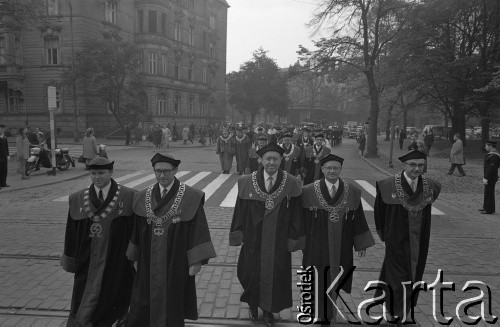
{"points": [[278, 26]]}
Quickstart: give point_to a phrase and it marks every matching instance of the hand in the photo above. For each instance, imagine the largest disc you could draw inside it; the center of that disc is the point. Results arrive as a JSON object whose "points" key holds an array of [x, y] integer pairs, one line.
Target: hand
{"points": [[194, 269], [485, 181], [361, 253]]}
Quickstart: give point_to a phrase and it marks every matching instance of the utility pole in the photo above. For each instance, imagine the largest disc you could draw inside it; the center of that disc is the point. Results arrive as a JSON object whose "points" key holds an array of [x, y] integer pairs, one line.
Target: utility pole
{"points": [[75, 109]]}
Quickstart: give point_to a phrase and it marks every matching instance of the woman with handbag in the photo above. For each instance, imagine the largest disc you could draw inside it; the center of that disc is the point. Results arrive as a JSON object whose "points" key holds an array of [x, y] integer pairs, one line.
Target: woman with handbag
{"points": [[23, 151], [90, 150]]}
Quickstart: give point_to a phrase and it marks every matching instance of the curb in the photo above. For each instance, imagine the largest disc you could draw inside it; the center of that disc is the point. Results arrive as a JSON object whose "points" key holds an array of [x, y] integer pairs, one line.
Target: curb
{"points": [[376, 167], [49, 183]]}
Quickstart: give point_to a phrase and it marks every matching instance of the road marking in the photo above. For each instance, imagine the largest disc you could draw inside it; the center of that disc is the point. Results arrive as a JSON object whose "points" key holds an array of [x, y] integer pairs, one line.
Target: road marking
{"points": [[210, 189], [196, 178], [152, 177], [368, 187], [436, 211], [366, 206], [230, 200]]}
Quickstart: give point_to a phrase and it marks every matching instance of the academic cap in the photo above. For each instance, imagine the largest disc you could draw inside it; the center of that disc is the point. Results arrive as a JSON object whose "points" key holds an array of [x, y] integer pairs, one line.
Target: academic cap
{"points": [[319, 135], [331, 157], [271, 147], [492, 143], [165, 158], [100, 163], [415, 154]]}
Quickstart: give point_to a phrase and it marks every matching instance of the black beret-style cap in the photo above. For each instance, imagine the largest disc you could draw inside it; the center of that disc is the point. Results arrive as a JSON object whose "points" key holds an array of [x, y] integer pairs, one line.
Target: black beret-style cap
{"points": [[271, 147], [165, 158], [331, 157], [305, 129], [319, 135], [262, 138], [100, 163], [492, 143], [287, 135], [415, 154]]}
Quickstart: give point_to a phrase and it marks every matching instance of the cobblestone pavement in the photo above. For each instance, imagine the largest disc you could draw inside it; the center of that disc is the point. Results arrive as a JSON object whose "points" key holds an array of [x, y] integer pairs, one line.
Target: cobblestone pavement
{"points": [[35, 291]]}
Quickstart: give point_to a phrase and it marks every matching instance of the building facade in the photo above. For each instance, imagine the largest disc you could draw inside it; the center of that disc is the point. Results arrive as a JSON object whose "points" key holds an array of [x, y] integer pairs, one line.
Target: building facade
{"points": [[183, 50]]}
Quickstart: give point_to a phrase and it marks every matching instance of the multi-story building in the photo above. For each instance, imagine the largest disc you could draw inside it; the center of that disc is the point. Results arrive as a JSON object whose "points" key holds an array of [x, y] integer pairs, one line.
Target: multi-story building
{"points": [[183, 46]]}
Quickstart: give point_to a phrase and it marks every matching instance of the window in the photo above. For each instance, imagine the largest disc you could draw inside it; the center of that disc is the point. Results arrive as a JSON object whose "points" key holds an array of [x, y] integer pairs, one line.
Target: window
{"points": [[203, 109], [153, 63], [212, 108], [52, 51], [141, 62], [111, 11], [161, 104], [140, 21], [16, 100], [212, 50], [191, 35], [164, 63], [177, 68], [212, 22], [3, 50], [52, 7], [177, 31], [204, 75], [177, 105], [152, 21], [164, 25], [190, 71], [17, 51], [191, 106]]}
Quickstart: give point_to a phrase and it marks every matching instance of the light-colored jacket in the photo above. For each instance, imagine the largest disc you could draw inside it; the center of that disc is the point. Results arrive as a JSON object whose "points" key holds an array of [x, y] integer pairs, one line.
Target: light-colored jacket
{"points": [[90, 150], [23, 147], [457, 153]]}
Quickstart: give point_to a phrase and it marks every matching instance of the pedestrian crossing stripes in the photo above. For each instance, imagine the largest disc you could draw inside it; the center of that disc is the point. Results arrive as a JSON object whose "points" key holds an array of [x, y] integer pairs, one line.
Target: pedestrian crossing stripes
{"points": [[221, 190]]}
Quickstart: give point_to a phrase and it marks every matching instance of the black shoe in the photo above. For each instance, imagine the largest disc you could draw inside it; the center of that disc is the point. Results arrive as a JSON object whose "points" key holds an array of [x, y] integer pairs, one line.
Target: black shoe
{"points": [[5, 185], [486, 212], [253, 313], [268, 318], [481, 209]]}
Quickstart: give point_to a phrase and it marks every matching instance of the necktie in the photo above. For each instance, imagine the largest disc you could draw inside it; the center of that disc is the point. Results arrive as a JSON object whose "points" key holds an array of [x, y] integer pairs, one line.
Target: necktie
{"points": [[333, 191], [270, 184], [164, 192], [414, 185], [101, 197]]}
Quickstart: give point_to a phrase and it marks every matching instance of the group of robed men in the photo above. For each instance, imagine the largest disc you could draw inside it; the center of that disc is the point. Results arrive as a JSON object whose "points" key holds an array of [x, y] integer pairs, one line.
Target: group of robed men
{"points": [[138, 252]]}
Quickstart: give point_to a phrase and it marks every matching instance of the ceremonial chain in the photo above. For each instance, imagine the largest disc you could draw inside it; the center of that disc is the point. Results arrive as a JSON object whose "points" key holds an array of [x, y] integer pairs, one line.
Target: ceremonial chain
{"points": [[96, 227], [269, 197], [333, 210], [225, 140], [316, 154], [238, 139], [426, 196], [287, 155], [173, 213]]}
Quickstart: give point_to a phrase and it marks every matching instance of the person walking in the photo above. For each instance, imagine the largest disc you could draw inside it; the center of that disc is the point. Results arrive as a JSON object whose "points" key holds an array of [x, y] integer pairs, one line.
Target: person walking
{"points": [[157, 137], [185, 134], [402, 214], [226, 150], [89, 143], [429, 140], [170, 243], [98, 229], [490, 177], [202, 135], [166, 137], [128, 133], [267, 224], [457, 155], [138, 133], [192, 132], [402, 137], [4, 157], [362, 144], [242, 145], [23, 151]]}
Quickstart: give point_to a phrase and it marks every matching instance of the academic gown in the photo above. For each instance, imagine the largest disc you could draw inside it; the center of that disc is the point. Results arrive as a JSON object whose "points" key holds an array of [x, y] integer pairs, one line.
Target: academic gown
{"points": [[103, 274], [406, 237], [312, 161], [164, 294], [254, 161], [302, 143], [290, 161], [268, 237], [331, 243], [242, 153]]}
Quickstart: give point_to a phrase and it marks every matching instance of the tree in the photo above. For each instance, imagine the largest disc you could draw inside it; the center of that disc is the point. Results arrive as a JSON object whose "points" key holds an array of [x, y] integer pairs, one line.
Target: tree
{"points": [[109, 69], [362, 30], [258, 84]]}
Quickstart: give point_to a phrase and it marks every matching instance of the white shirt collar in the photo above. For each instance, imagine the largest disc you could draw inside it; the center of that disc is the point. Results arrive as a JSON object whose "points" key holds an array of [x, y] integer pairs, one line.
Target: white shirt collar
{"points": [[408, 179], [169, 186], [266, 176], [329, 185], [105, 190]]}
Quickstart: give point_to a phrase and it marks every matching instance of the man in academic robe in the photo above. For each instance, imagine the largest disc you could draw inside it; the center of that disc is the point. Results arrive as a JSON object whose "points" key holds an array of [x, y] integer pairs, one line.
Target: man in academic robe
{"points": [[402, 214], [267, 221], [490, 177], [255, 162], [4, 157], [313, 156], [290, 162], [170, 243], [99, 225], [242, 145], [225, 149], [251, 134], [334, 223]]}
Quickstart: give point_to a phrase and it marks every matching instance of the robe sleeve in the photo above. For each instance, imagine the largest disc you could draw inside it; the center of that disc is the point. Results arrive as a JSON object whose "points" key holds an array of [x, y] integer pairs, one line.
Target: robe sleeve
{"points": [[68, 260], [236, 232], [200, 247], [362, 236], [296, 231], [379, 214], [133, 245]]}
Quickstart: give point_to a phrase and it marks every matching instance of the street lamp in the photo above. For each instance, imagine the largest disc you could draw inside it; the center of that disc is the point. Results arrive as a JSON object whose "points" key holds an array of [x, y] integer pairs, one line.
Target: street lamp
{"points": [[75, 110]]}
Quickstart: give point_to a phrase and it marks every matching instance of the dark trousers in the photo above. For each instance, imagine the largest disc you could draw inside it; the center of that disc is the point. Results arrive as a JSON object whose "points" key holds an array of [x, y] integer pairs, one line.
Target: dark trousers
{"points": [[459, 167], [127, 139], [3, 172], [489, 197], [401, 143]]}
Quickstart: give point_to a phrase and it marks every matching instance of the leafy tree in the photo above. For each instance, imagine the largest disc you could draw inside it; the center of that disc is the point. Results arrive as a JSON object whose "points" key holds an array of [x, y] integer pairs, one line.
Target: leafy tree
{"points": [[258, 84], [109, 69]]}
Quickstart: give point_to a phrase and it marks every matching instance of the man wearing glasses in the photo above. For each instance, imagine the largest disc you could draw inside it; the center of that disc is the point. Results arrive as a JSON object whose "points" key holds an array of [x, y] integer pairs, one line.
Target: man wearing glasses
{"points": [[170, 242], [334, 223], [313, 155], [403, 220]]}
